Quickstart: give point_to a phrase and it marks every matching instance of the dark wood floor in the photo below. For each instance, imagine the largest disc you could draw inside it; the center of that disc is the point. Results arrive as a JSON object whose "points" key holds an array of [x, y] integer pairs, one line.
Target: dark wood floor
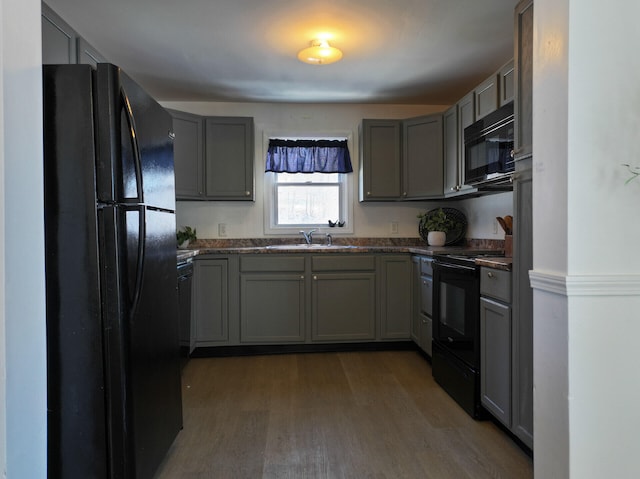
{"points": [[331, 415]]}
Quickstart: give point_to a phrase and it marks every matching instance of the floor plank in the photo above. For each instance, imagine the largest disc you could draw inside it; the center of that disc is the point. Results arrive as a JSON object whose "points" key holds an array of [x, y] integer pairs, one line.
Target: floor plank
{"points": [[331, 415]]}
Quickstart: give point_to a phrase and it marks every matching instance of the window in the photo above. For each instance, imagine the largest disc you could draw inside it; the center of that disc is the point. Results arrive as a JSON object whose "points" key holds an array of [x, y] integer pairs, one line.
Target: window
{"points": [[310, 199], [295, 201]]}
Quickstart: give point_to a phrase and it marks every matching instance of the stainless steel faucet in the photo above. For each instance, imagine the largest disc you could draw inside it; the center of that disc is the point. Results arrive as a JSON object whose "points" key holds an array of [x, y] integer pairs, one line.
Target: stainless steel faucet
{"points": [[329, 239], [308, 237]]}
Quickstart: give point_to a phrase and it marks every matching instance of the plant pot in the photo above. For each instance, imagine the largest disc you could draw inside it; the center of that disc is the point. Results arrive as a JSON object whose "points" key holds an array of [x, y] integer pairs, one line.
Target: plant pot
{"points": [[184, 244], [436, 238]]}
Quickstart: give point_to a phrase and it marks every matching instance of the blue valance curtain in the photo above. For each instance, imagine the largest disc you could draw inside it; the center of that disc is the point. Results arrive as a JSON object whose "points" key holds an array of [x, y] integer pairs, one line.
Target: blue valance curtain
{"points": [[308, 156]]}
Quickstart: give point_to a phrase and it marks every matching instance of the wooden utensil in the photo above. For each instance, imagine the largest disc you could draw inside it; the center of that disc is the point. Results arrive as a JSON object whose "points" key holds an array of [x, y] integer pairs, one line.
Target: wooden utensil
{"points": [[508, 220], [503, 224]]}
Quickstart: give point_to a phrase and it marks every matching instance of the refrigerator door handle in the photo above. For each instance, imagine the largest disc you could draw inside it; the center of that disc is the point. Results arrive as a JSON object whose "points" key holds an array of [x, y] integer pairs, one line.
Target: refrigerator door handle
{"points": [[135, 244], [132, 164]]}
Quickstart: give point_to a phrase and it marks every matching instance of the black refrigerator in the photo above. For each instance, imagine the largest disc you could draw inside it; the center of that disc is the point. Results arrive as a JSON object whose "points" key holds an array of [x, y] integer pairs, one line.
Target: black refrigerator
{"points": [[114, 394]]}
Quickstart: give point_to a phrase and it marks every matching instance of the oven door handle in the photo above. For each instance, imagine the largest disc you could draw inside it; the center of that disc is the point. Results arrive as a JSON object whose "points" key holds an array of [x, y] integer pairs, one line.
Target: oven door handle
{"points": [[449, 266]]}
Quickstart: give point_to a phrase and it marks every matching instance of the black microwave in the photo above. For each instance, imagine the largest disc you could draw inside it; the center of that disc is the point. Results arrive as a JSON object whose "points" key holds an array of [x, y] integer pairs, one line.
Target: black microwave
{"points": [[488, 149]]}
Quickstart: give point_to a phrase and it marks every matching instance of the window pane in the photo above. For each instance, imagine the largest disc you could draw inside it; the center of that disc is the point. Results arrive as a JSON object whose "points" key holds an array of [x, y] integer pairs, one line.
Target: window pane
{"points": [[307, 177], [308, 205]]}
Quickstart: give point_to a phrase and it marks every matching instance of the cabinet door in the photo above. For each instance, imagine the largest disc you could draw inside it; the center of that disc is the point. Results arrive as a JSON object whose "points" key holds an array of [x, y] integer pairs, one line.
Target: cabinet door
{"points": [[394, 296], [422, 157], [87, 54], [229, 153], [210, 302], [495, 359], [426, 334], [466, 117], [343, 306], [452, 177], [272, 307], [523, 303], [58, 39], [507, 83], [188, 158], [380, 160], [415, 299], [486, 95], [523, 58]]}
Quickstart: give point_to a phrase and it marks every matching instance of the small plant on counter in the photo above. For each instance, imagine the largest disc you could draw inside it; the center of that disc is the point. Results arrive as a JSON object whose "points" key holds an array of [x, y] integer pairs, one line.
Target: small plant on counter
{"points": [[185, 236], [437, 221]]}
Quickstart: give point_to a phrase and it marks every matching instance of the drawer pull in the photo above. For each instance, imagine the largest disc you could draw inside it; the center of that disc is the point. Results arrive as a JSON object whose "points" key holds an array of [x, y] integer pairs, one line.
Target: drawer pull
{"points": [[490, 274]]}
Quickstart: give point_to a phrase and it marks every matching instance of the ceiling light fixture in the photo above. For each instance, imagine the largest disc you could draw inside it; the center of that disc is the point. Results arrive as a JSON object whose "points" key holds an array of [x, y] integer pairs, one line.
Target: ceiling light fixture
{"points": [[319, 53]]}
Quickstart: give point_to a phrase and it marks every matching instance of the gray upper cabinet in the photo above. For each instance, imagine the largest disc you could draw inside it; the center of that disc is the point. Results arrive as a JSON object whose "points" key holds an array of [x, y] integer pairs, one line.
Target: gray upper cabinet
{"points": [[380, 150], [87, 54], [61, 44], [422, 163], [486, 96], [507, 83], [58, 39], [455, 120], [188, 154], [229, 152], [401, 159], [213, 157], [523, 42]]}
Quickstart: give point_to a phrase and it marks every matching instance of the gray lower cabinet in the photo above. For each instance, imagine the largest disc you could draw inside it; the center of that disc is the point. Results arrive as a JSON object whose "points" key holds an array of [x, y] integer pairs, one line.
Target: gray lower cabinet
{"points": [[421, 318], [210, 309], [272, 298], [343, 306], [495, 359], [343, 297], [272, 307], [523, 302], [394, 296]]}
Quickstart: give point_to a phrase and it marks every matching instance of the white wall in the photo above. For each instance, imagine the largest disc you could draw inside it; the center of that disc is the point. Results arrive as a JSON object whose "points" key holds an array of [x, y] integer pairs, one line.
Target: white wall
{"points": [[22, 316], [245, 220], [586, 225]]}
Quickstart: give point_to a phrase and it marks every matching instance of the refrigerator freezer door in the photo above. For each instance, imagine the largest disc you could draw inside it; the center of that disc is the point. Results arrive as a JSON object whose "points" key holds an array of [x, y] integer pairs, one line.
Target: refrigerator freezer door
{"points": [[136, 143]]}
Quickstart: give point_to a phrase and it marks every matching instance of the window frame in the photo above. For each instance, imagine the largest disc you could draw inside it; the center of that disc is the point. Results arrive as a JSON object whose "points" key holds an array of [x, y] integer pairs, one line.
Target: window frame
{"points": [[346, 185]]}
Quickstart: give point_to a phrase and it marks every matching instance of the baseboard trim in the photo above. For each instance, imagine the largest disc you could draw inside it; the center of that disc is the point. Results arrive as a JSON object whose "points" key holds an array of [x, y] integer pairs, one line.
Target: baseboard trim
{"points": [[260, 349]]}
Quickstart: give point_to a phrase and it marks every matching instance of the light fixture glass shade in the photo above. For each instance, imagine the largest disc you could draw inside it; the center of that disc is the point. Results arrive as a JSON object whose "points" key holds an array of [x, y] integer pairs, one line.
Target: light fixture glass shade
{"points": [[319, 53]]}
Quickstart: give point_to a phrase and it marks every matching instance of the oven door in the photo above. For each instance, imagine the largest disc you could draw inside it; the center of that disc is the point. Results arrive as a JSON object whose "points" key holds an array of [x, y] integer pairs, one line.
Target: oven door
{"points": [[456, 310]]}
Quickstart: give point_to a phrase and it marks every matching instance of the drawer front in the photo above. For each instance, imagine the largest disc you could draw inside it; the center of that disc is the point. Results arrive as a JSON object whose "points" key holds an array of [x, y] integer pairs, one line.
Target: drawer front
{"points": [[353, 262], [271, 263], [426, 269], [495, 283]]}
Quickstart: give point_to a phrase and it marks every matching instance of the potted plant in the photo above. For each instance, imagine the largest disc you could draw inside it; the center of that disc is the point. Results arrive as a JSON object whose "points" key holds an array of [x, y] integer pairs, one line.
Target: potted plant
{"points": [[185, 236], [438, 224]]}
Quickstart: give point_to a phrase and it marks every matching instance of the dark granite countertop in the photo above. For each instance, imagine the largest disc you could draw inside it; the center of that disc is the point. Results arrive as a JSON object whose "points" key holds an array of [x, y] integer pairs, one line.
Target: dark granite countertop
{"points": [[343, 245]]}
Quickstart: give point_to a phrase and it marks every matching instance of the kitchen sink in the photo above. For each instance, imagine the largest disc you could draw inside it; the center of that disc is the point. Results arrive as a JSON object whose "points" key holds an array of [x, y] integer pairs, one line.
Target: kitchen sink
{"points": [[309, 247]]}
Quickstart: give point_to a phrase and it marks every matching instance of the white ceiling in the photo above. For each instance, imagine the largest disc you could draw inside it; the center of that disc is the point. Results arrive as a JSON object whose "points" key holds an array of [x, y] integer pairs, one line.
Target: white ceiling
{"points": [[395, 51]]}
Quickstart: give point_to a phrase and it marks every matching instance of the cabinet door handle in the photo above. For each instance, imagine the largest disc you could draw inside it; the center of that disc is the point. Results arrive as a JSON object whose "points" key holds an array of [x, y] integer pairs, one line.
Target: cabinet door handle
{"points": [[368, 193], [302, 277], [315, 278], [247, 193], [490, 274]]}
